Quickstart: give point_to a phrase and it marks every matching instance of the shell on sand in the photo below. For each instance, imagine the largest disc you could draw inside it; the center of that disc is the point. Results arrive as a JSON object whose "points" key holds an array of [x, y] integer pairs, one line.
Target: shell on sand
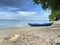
{"points": [[1, 40], [14, 38]]}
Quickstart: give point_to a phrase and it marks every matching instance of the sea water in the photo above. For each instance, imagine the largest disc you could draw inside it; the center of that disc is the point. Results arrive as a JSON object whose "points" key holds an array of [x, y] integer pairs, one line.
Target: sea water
{"points": [[13, 23]]}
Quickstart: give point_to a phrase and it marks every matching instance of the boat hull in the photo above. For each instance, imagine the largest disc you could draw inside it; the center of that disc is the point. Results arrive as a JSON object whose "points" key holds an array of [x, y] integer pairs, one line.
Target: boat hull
{"points": [[45, 24]]}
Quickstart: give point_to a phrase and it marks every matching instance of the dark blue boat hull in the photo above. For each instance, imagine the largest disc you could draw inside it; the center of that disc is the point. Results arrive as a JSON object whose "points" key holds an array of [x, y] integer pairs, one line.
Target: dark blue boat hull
{"points": [[45, 24]]}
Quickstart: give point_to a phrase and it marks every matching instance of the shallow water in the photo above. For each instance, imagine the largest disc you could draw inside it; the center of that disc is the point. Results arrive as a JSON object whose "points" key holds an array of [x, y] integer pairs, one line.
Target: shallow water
{"points": [[12, 23]]}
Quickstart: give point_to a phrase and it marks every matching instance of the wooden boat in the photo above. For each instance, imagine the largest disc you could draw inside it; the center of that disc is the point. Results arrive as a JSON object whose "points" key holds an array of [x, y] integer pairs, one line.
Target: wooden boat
{"points": [[44, 24]]}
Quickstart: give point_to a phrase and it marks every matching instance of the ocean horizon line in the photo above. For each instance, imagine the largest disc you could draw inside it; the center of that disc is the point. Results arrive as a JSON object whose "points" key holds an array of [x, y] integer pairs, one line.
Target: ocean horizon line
{"points": [[21, 20]]}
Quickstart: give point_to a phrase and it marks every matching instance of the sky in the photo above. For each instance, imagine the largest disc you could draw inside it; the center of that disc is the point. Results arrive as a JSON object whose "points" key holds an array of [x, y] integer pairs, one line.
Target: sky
{"points": [[22, 10]]}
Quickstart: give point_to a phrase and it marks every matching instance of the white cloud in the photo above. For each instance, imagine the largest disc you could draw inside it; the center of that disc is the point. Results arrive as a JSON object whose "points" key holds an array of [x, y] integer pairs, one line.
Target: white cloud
{"points": [[5, 14], [8, 15], [12, 8], [25, 13]]}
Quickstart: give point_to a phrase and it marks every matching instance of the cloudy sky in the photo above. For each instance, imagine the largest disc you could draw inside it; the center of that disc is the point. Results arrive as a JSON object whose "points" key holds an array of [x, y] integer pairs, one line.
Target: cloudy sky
{"points": [[22, 10]]}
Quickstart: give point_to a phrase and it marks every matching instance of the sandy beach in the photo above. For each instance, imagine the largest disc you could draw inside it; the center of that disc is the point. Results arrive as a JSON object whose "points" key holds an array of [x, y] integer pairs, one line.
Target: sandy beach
{"points": [[30, 35]]}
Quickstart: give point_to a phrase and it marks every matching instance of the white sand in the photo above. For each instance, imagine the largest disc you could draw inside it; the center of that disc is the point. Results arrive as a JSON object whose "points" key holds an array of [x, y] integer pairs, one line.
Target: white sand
{"points": [[29, 35]]}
